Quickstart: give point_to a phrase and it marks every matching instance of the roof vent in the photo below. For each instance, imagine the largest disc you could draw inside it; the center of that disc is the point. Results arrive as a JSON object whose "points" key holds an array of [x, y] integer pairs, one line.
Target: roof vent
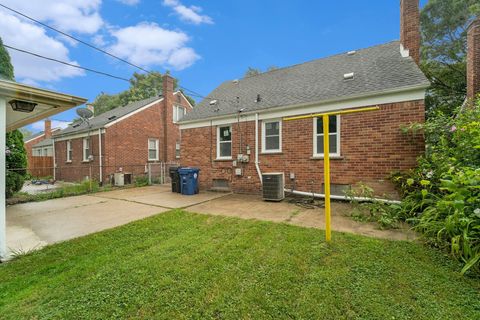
{"points": [[348, 76], [351, 53], [213, 102], [112, 117], [258, 98], [235, 81], [76, 125]]}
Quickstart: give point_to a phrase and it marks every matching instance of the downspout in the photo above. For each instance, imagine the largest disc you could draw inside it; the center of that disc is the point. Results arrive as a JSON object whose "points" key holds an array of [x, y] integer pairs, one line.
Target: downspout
{"points": [[54, 160], [100, 168], [338, 197], [256, 150]]}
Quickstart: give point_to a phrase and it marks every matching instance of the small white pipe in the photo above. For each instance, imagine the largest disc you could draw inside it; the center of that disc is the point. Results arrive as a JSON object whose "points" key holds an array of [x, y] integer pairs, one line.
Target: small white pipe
{"points": [[337, 197], [256, 149], [100, 155]]}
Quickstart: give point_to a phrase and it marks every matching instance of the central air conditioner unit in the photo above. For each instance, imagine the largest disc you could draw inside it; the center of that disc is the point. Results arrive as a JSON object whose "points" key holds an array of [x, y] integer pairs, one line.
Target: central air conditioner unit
{"points": [[273, 184]]}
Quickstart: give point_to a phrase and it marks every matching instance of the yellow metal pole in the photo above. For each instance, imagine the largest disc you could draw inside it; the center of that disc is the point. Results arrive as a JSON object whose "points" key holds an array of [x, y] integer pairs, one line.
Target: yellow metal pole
{"points": [[326, 172]]}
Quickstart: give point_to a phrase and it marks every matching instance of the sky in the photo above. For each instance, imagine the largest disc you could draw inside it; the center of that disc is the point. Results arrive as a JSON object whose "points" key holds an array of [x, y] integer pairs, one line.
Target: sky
{"points": [[202, 43]]}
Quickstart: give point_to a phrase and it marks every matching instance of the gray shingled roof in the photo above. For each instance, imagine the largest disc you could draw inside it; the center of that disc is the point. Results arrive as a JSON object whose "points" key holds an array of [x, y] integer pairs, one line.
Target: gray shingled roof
{"points": [[107, 117], [377, 69], [44, 143], [33, 136]]}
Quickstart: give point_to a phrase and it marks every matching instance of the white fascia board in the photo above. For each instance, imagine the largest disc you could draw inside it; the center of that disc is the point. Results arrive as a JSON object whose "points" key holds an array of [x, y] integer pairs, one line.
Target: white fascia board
{"points": [[394, 97], [93, 132], [133, 113], [189, 104]]}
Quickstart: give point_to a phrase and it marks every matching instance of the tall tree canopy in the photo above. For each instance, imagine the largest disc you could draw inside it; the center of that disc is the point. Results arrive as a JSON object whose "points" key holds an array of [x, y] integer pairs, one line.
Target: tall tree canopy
{"points": [[444, 38], [255, 71], [6, 67], [142, 86]]}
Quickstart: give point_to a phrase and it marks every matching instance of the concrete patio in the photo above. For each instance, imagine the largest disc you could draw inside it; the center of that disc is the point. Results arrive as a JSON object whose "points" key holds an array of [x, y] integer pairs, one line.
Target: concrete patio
{"points": [[36, 224]]}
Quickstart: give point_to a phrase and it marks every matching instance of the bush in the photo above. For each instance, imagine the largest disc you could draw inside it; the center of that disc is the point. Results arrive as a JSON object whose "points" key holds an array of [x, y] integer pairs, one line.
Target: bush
{"points": [[442, 196], [141, 181], [13, 183]]}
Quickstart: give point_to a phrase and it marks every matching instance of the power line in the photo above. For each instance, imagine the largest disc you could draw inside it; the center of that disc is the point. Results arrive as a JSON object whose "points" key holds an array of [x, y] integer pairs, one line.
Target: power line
{"points": [[95, 48], [66, 63]]}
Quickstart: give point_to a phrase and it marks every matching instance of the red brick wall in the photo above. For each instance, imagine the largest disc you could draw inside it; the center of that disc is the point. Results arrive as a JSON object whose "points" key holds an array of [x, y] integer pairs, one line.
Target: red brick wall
{"points": [[124, 144], [410, 27], [372, 146], [28, 147], [473, 59]]}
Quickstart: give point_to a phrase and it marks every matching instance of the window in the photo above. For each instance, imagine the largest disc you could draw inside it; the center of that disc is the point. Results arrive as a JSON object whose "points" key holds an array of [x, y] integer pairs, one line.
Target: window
{"points": [[224, 142], [177, 149], [37, 152], [69, 151], [334, 136], [272, 136], [86, 149], [178, 113], [152, 149]]}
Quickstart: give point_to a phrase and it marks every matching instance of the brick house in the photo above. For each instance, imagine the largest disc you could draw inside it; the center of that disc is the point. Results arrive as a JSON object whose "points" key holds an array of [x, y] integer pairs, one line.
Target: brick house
{"points": [[244, 117], [40, 145], [123, 139]]}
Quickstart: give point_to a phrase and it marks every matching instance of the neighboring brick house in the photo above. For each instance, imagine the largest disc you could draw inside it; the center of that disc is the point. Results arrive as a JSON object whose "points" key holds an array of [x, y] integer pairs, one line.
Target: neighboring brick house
{"points": [[244, 117], [123, 139], [40, 144]]}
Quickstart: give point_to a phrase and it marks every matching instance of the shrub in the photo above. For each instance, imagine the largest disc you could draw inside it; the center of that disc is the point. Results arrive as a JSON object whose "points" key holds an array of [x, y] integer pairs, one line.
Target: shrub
{"points": [[141, 181], [13, 183], [442, 195]]}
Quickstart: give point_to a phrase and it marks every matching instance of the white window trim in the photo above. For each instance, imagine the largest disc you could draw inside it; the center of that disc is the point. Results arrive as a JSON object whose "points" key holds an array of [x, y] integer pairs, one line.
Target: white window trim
{"points": [[156, 150], [321, 155], [84, 149], [69, 148], [264, 136], [177, 148], [218, 143]]}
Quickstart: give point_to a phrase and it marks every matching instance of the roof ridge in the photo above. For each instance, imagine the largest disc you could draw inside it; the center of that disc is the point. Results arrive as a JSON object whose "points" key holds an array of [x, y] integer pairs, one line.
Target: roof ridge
{"points": [[314, 60]]}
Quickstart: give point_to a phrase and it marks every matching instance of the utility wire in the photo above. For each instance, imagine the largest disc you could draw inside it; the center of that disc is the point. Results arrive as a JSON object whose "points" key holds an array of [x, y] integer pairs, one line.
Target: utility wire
{"points": [[66, 63], [95, 48]]}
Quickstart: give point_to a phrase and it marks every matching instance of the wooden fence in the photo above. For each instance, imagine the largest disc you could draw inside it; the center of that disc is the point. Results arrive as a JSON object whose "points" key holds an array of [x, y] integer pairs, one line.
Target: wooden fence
{"points": [[41, 166]]}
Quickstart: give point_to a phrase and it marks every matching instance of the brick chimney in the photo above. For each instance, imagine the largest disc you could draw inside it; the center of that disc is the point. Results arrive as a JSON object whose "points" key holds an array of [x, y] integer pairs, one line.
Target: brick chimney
{"points": [[473, 59], [48, 128], [410, 28], [168, 83]]}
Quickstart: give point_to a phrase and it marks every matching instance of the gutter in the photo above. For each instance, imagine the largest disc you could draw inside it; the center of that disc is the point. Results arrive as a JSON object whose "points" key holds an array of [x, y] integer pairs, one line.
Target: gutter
{"points": [[100, 167], [315, 103], [337, 197]]}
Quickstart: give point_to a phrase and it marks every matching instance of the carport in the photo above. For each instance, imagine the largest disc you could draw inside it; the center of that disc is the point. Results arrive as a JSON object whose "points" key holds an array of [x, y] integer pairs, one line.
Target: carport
{"points": [[21, 105]]}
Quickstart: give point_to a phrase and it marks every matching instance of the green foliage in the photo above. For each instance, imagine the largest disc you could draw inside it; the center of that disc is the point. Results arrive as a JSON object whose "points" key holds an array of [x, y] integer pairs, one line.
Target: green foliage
{"points": [[61, 192], [13, 183], [141, 181], [142, 86], [442, 196], [444, 32], [372, 210], [6, 67], [179, 265], [16, 155], [255, 71]]}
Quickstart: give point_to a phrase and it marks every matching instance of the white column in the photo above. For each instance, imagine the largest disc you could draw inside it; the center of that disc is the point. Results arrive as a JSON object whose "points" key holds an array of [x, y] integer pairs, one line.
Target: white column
{"points": [[3, 225]]}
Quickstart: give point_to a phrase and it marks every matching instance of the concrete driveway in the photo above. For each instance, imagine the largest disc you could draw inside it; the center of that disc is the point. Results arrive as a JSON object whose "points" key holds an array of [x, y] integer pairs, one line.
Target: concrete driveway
{"points": [[36, 224]]}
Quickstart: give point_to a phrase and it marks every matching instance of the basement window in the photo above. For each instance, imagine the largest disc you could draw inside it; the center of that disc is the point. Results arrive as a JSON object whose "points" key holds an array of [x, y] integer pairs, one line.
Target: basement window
{"points": [[333, 135]]}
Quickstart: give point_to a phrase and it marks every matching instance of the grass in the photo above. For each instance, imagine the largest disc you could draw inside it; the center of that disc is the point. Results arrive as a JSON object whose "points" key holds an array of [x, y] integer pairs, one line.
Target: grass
{"points": [[181, 265]]}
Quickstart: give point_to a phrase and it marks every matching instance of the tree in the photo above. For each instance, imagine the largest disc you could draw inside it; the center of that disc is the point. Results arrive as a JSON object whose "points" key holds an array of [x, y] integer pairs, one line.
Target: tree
{"points": [[142, 86], [16, 155], [6, 67], [255, 72], [444, 37], [25, 132]]}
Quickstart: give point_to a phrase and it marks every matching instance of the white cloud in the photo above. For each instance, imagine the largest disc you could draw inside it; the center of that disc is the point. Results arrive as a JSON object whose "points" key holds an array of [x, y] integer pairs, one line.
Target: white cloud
{"points": [[80, 16], [129, 2], [148, 44], [40, 125], [26, 36], [189, 14]]}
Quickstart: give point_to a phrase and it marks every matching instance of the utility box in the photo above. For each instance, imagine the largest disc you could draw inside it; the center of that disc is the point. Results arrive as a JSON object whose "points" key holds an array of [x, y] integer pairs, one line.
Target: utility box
{"points": [[119, 179], [273, 186]]}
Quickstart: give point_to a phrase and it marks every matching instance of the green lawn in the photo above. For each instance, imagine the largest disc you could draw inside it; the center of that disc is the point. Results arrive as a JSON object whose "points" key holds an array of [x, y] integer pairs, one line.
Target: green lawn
{"points": [[180, 265]]}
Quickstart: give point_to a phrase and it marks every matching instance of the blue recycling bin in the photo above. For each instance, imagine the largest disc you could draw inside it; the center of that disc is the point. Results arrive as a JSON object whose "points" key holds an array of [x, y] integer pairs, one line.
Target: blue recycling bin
{"points": [[189, 180]]}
